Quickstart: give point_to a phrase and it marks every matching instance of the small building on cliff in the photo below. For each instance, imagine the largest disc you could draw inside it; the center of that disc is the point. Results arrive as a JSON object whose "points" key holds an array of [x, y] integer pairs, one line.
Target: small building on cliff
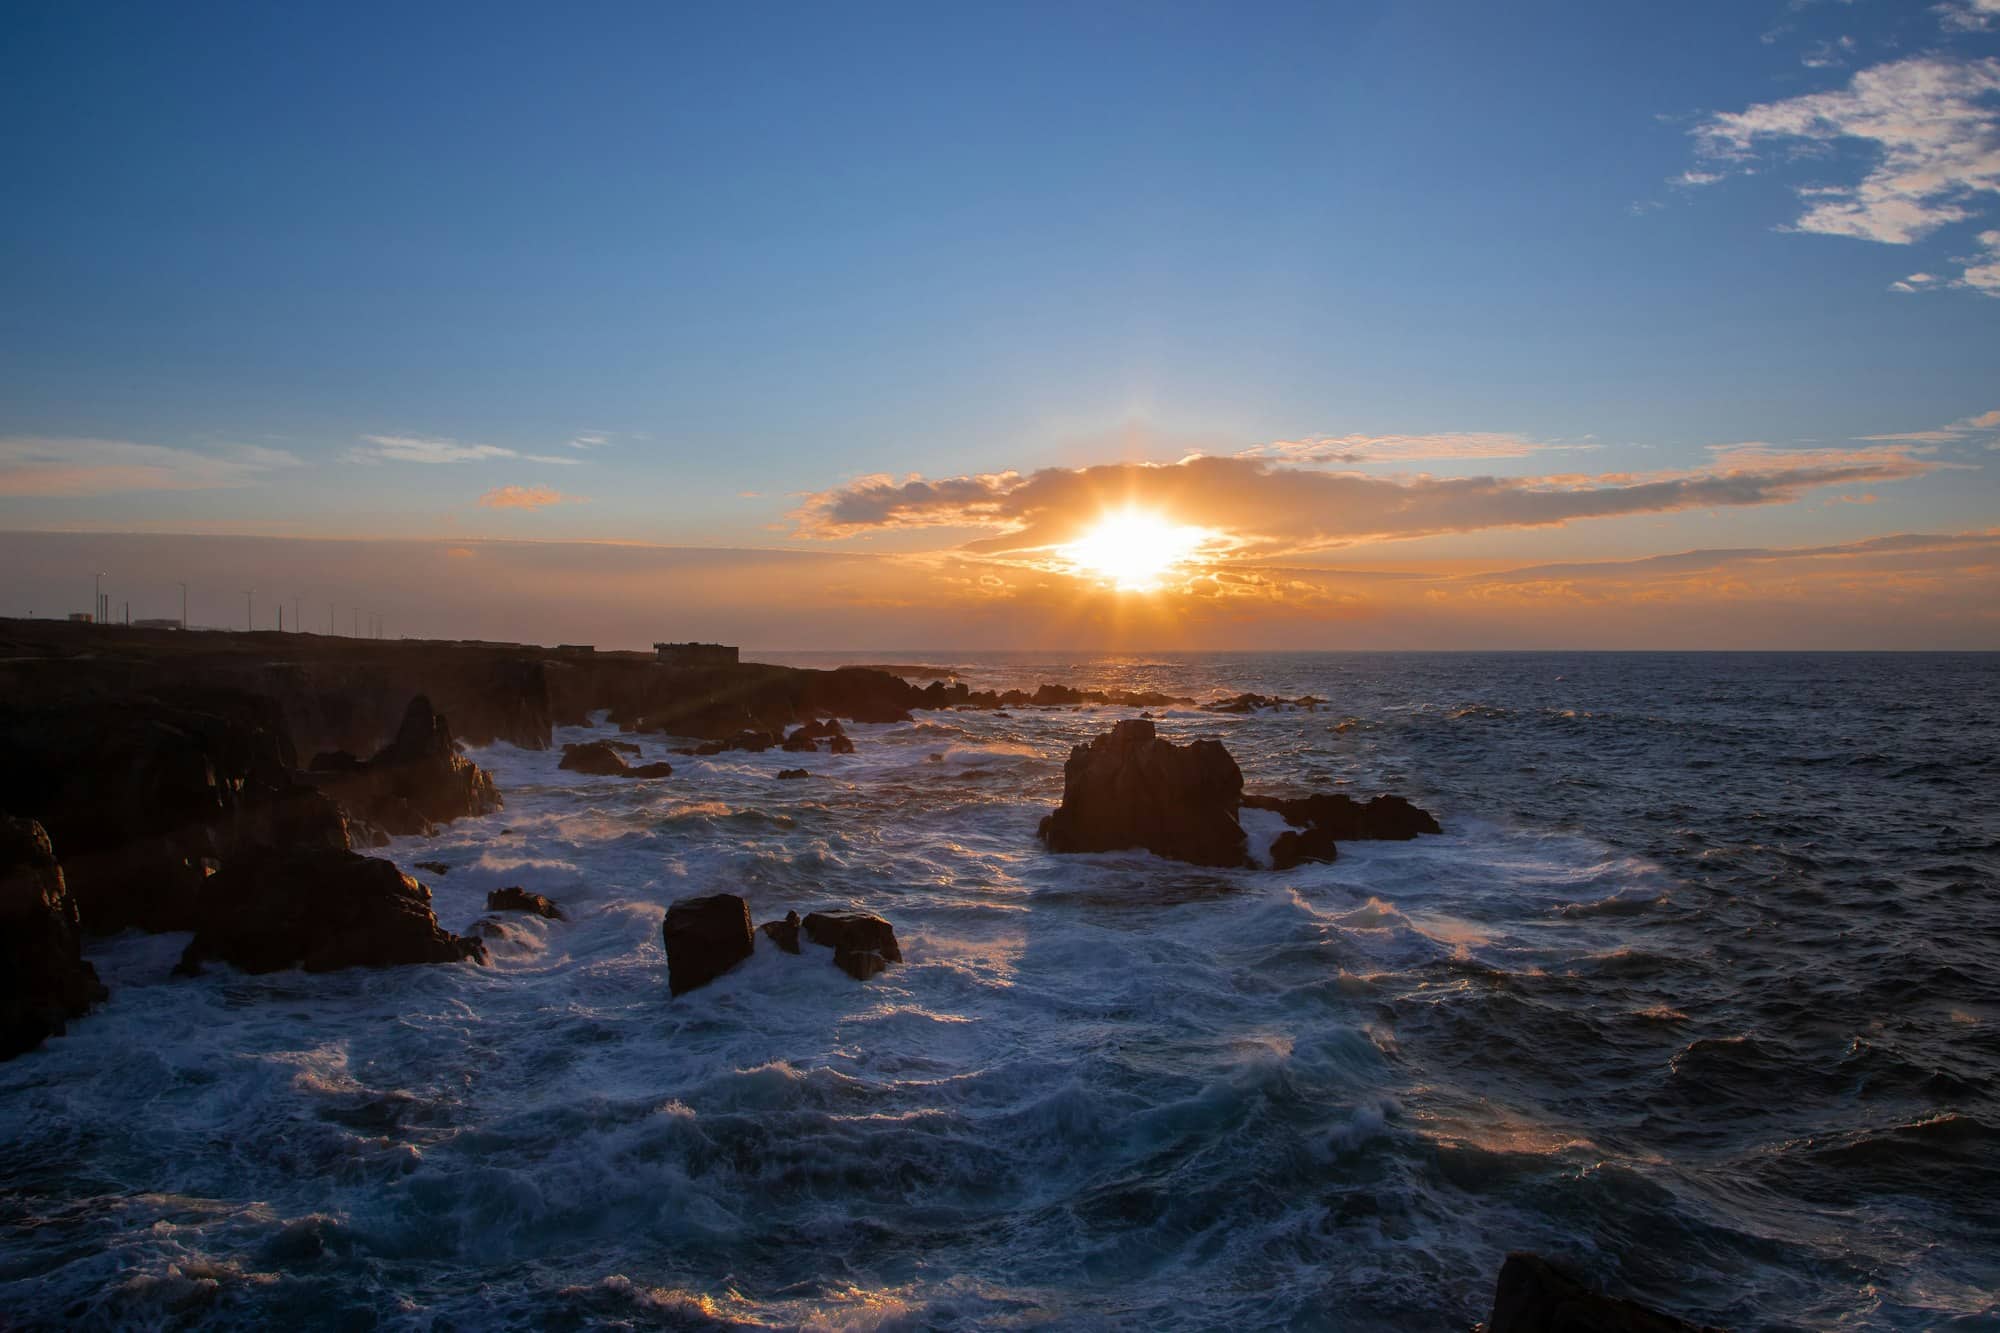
{"points": [[695, 654]]}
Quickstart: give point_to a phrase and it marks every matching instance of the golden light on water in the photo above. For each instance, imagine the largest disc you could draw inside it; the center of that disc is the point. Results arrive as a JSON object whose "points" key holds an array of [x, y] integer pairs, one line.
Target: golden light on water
{"points": [[1134, 550]]}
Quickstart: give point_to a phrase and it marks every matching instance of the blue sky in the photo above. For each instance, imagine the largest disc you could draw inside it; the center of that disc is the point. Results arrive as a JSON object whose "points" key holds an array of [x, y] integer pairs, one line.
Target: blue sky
{"points": [[653, 258]]}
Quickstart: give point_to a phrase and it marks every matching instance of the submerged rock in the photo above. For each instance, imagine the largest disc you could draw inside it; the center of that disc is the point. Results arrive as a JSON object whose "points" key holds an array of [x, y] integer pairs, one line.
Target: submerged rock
{"points": [[1344, 818], [1534, 1296], [705, 937], [792, 774], [1130, 789], [1292, 846], [1258, 703], [434, 867], [784, 934], [602, 759], [44, 980], [412, 784], [517, 899], [863, 944], [756, 742], [320, 908]]}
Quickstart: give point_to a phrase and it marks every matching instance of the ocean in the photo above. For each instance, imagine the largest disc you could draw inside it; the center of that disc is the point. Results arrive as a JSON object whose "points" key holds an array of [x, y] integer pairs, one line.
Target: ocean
{"points": [[1697, 991]]}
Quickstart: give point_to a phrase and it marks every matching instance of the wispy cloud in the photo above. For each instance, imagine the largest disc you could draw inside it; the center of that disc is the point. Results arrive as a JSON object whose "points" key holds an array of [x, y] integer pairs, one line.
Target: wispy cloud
{"points": [[589, 440], [1933, 123], [1984, 423], [31, 465], [1358, 449], [526, 497], [422, 449], [1968, 15], [1257, 508]]}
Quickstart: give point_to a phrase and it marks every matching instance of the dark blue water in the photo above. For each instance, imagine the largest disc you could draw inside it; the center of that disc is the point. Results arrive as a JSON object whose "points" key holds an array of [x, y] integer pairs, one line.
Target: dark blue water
{"points": [[1697, 991]]}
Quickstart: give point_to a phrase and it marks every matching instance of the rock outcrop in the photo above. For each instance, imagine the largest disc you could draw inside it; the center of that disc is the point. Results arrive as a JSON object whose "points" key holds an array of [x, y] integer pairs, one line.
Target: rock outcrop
{"points": [[517, 899], [602, 759], [1535, 1296], [792, 774], [1259, 703], [414, 783], [44, 980], [143, 793], [705, 937], [784, 934], [320, 908], [1293, 846], [1130, 789], [1346, 819], [862, 944]]}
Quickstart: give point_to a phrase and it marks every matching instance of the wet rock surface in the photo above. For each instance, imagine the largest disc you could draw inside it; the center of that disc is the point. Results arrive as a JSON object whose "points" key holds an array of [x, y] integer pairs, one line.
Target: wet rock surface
{"points": [[705, 937], [784, 934], [517, 899], [44, 980], [319, 908], [1130, 789], [1342, 817], [603, 759], [863, 944]]}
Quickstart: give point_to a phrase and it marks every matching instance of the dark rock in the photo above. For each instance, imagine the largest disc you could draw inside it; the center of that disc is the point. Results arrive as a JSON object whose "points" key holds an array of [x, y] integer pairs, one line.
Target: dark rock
{"points": [[796, 743], [416, 781], [791, 774], [1344, 818], [1534, 1296], [1257, 703], [142, 793], [1291, 847], [435, 867], [840, 745], [44, 980], [785, 934], [705, 937], [1130, 789], [602, 759], [862, 944], [860, 964], [517, 899], [756, 742], [320, 908], [489, 929]]}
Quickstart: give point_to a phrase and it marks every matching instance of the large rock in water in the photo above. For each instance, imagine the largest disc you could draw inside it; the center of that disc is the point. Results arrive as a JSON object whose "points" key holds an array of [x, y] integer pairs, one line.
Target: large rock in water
{"points": [[414, 783], [1534, 1296], [601, 759], [705, 937], [319, 908], [44, 981], [1342, 817], [1128, 788], [862, 944]]}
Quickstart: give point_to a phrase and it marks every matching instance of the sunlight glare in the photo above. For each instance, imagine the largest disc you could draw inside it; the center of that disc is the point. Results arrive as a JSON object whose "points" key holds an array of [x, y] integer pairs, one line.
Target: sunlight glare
{"points": [[1133, 550]]}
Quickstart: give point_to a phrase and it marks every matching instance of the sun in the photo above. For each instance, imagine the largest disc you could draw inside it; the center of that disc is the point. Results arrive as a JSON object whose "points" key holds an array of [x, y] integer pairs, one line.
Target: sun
{"points": [[1132, 549]]}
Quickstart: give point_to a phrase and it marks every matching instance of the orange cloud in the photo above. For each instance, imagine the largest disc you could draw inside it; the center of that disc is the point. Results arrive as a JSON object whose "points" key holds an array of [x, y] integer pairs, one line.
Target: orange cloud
{"points": [[526, 497]]}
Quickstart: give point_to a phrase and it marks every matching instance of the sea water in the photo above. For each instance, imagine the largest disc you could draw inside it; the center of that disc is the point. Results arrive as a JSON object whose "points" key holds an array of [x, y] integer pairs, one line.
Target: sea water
{"points": [[1697, 991]]}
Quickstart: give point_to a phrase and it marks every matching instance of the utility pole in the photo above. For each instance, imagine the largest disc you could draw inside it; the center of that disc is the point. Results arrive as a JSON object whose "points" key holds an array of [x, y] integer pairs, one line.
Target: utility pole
{"points": [[97, 596], [250, 609], [330, 630], [298, 621], [357, 622], [184, 606], [281, 617]]}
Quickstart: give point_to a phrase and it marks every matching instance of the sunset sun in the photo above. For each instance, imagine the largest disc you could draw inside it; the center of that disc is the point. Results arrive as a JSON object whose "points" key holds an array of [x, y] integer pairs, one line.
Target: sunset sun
{"points": [[1133, 550]]}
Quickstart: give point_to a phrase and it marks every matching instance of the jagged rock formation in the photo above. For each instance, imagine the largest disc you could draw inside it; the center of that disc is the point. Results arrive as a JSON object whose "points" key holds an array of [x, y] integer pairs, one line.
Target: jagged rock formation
{"points": [[1535, 1296], [1258, 703], [602, 759], [862, 944], [412, 784], [1130, 789], [784, 934], [44, 980], [1342, 817], [320, 908], [517, 899], [143, 793], [705, 937]]}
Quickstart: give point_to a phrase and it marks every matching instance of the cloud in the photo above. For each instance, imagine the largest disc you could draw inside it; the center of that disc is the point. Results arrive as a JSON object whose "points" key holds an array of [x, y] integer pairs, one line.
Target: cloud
{"points": [[1983, 274], [526, 497], [1402, 448], [1828, 54], [1961, 429], [420, 449], [1933, 125], [589, 440], [1968, 15], [1256, 508], [39, 466]]}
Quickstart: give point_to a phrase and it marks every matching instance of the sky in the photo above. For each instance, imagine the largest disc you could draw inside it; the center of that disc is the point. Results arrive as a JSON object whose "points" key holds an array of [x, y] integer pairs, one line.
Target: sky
{"points": [[1445, 325]]}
